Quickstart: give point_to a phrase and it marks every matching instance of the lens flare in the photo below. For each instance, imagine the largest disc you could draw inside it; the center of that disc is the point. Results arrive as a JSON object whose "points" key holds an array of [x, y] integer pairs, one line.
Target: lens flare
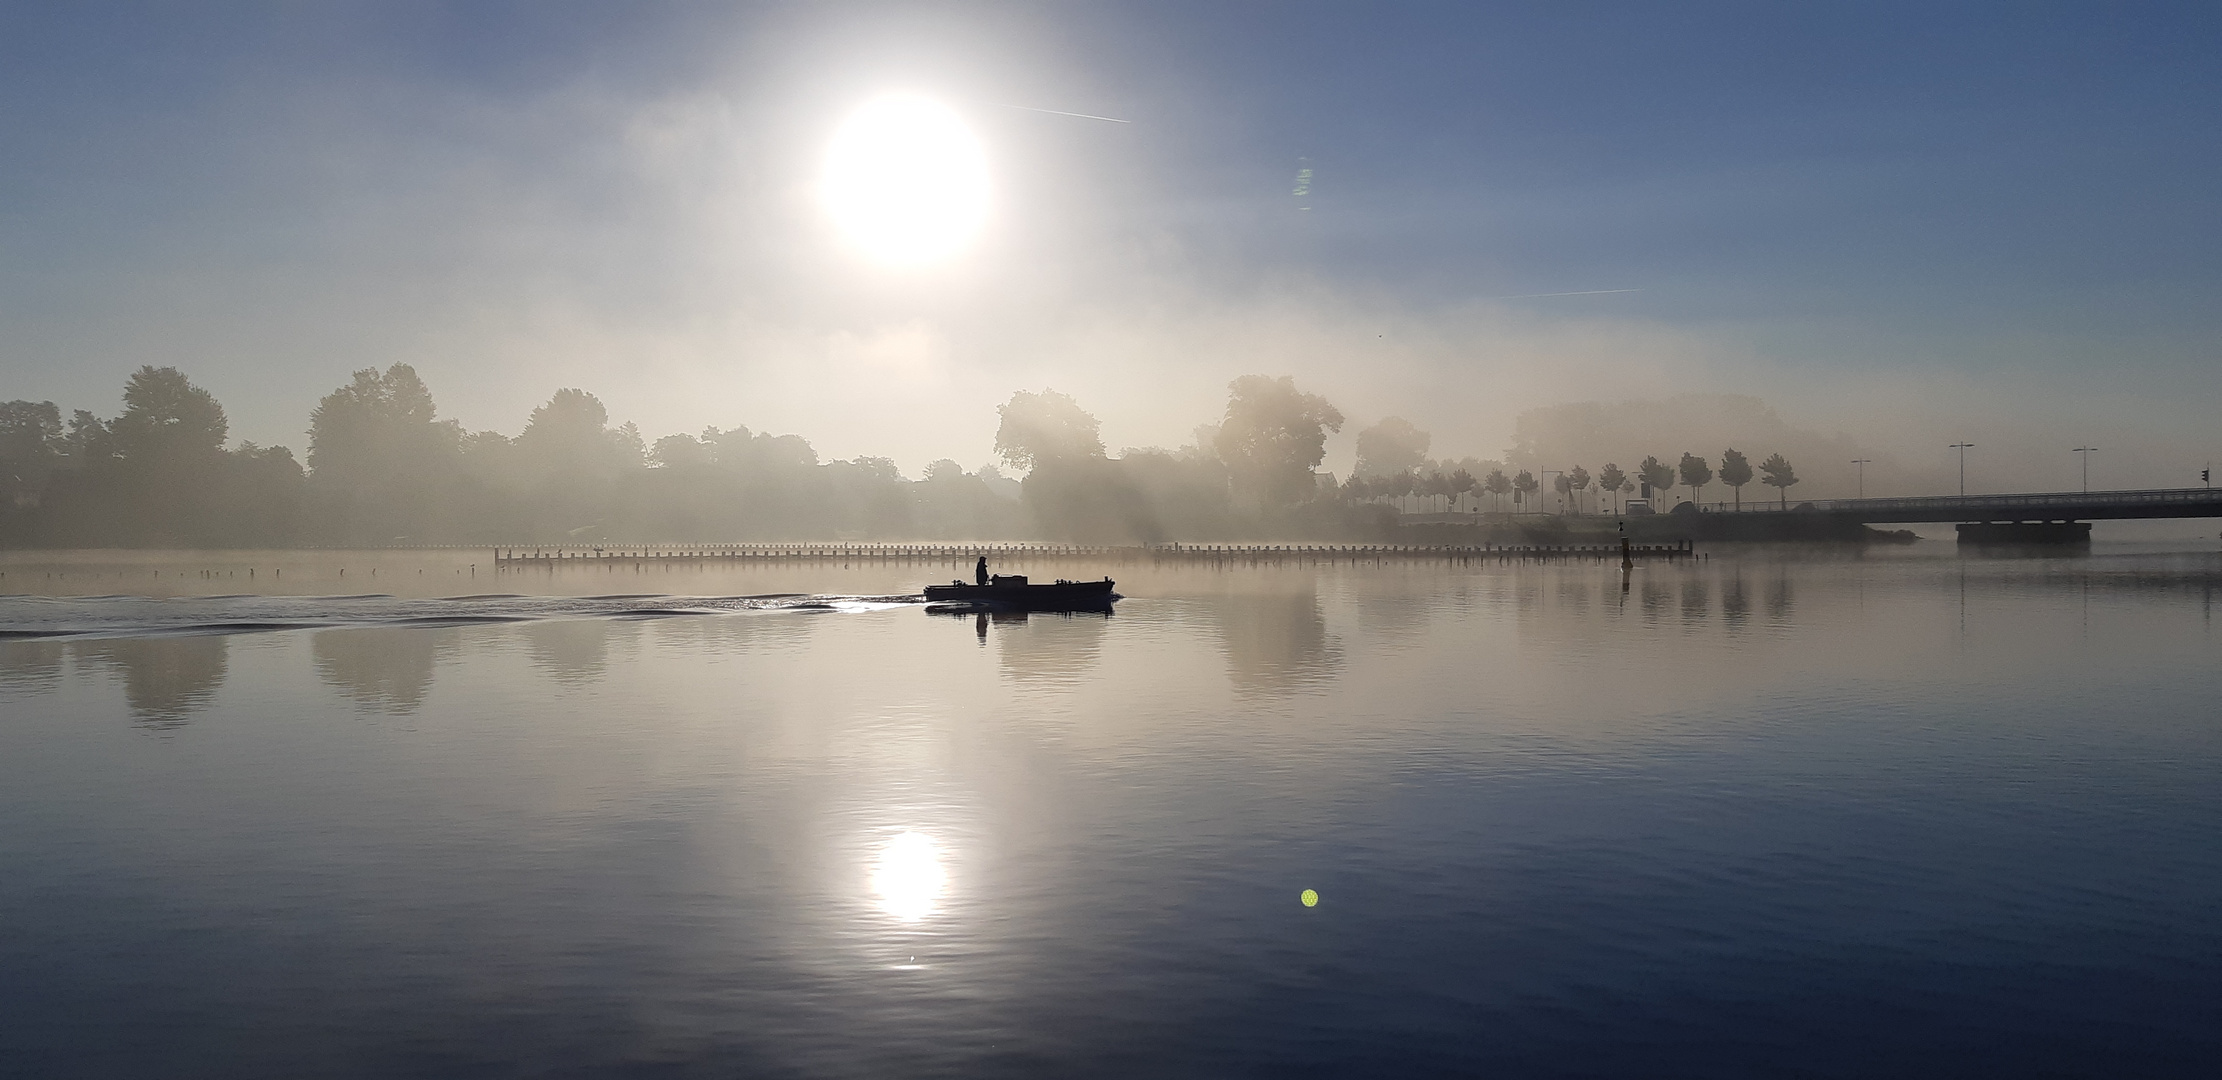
{"points": [[909, 878], [906, 181]]}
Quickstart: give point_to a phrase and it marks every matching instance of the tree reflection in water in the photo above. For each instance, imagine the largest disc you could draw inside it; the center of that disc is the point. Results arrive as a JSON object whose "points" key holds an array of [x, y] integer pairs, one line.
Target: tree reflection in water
{"points": [[1051, 647], [165, 679], [1779, 601], [31, 665], [386, 669], [1735, 603], [1276, 642], [577, 651], [1655, 594], [1697, 600]]}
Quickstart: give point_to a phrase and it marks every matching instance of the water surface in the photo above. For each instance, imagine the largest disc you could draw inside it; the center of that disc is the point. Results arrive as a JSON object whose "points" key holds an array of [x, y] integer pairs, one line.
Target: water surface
{"points": [[1762, 815]]}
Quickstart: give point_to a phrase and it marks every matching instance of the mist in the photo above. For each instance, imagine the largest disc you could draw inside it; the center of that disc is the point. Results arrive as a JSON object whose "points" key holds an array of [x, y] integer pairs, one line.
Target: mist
{"points": [[382, 466], [626, 205], [1004, 539]]}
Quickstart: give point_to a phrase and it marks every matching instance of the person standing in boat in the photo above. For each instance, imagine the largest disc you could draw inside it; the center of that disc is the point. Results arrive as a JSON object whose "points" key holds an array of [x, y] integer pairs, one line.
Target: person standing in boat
{"points": [[980, 572]]}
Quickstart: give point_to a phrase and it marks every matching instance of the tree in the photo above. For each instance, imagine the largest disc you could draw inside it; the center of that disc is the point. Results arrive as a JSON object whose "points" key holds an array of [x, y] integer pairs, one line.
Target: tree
{"points": [[1524, 487], [368, 425], [1273, 437], [87, 440], [379, 457], [1056, 441], [1779, 475], [1565, 489], [1462, 482], [1655, 474], [570, 464], [168, 448], [1609, 480], [1391, 446], [30, 446], [1578, 478], [680, 452], [258, 499], [1735, 472], [168, 421], [630, 449], [1497, 483], [570, 436], [1045, 427], [1695, 473]]}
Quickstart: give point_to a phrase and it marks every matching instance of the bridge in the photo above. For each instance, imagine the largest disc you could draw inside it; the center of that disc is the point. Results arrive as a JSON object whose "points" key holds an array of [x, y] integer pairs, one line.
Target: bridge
{"points": [[2049, 517], [2056, 506]]}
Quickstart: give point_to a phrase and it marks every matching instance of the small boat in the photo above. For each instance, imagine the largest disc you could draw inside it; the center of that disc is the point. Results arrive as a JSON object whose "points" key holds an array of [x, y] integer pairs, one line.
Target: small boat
{"points": [[1013, 591]]}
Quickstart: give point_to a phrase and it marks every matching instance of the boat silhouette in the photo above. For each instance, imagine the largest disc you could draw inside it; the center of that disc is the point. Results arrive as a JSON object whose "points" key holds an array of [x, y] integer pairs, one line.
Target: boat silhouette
{"points": [[1014, 592]]}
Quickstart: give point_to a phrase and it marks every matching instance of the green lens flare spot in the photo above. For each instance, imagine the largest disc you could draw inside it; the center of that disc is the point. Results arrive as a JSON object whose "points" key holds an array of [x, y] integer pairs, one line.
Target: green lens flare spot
{"points": [[1310, 897]]}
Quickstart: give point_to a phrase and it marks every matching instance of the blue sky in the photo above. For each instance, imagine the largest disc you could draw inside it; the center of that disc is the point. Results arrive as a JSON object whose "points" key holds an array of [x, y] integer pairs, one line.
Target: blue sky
{"points": [[1911, 223]]}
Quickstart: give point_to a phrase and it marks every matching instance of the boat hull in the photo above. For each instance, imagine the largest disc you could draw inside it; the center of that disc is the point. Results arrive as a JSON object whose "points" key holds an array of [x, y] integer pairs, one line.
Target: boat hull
{"points": [[1063, 596]]}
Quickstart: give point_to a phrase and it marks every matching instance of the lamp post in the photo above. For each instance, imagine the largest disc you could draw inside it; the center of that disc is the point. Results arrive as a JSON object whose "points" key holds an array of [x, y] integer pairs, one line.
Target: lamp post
{"points": [[2086, 451], [1963, 448], [1862, 463]]}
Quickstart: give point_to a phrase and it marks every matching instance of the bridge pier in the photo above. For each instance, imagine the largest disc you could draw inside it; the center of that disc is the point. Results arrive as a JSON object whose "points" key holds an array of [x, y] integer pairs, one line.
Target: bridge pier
{"points": [[2025, 533]]}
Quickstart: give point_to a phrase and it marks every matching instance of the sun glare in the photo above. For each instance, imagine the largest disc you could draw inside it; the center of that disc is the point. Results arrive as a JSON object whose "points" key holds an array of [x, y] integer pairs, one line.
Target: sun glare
{"points": [[906, 181], [909, 878]]}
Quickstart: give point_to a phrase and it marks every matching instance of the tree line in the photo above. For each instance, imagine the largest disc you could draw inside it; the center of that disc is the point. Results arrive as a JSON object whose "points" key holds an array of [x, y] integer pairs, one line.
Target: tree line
{"points": [[382, 467], [1392, 460]]}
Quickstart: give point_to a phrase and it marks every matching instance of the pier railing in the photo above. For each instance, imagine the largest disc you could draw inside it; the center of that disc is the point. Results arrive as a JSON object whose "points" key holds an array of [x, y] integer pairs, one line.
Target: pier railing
{"points": [[553, 557]]}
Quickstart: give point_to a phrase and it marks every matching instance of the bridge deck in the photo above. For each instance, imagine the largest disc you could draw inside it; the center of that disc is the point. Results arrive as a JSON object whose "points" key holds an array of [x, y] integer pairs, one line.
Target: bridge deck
{"points": [[2052, 506]]}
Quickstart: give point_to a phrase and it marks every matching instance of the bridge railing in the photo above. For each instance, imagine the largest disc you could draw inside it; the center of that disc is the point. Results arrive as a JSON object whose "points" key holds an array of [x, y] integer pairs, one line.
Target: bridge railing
{"points": [[2035, 501]]}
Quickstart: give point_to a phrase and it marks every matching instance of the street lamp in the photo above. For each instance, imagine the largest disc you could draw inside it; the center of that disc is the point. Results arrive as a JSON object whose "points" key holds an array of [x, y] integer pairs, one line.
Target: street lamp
{"points": [[2086, 451], [1963, 448], [1862, 463]]}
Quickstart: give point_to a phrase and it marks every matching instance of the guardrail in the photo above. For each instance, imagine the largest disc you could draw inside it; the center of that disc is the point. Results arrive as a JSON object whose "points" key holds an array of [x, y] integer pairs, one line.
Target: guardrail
{"points": [[2051, 505]]}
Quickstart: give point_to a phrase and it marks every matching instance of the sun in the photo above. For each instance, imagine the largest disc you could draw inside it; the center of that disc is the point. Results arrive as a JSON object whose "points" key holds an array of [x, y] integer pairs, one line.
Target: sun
{"points": [[906, 181]]}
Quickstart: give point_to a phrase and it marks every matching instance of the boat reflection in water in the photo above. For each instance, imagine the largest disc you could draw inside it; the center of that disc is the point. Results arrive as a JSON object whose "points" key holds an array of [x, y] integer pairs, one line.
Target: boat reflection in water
{"points": [[983, 615]]}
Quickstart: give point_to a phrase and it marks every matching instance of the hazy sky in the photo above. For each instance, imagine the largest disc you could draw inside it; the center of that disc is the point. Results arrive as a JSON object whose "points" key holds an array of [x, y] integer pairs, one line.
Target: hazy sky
{"points": [[1913, 223]]}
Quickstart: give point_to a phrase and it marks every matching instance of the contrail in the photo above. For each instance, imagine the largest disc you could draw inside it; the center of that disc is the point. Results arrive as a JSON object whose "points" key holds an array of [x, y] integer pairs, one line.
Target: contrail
{"points": [[1540, 295], [1061, 112]]}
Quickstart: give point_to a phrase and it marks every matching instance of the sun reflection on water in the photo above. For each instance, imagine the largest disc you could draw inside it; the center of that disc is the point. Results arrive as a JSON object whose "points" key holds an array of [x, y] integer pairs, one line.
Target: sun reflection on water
{"points": [[909, 878]]}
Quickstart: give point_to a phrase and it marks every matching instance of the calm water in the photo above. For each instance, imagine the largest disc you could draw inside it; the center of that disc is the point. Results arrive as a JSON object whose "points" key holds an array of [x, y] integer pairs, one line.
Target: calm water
{"points": [[1760, 816]]}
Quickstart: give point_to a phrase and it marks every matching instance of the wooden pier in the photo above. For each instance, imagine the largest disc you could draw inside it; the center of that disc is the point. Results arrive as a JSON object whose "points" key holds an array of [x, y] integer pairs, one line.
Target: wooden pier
{"points": [[550, 558]]}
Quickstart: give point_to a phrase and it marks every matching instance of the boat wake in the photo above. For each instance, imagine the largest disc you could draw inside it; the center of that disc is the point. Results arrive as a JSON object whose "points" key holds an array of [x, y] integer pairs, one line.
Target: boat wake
{"points": [[35, 617]]}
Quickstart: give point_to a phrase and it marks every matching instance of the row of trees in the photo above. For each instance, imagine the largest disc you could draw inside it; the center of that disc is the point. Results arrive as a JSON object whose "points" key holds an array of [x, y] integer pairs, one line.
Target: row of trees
{"points": [[158, 473], [382, 467], [1392, 460], [1254, 473], [1735, 471]]}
